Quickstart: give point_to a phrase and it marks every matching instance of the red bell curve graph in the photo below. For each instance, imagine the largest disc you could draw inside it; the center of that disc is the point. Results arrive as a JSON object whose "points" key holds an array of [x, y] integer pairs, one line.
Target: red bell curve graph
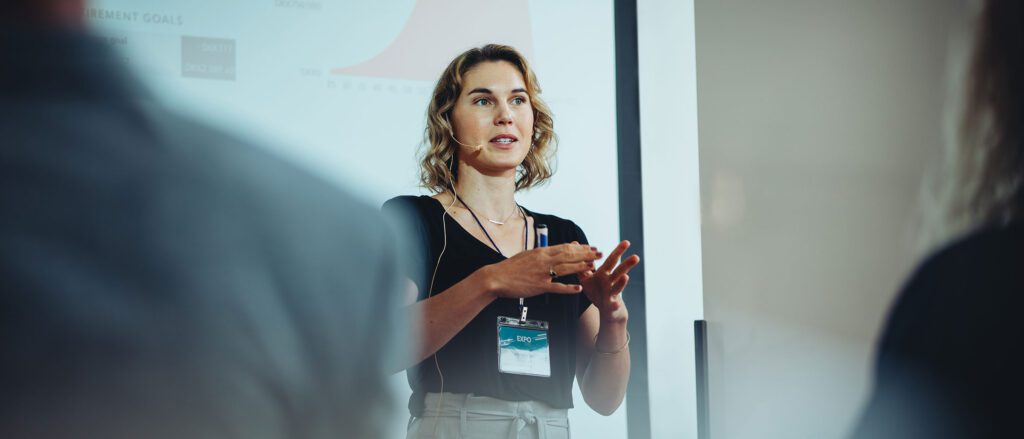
{"points": [[438, 30]]}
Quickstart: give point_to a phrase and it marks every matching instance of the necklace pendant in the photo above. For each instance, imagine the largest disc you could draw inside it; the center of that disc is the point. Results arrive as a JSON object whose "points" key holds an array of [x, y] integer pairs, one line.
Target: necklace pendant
{"points": [[500, 223]]}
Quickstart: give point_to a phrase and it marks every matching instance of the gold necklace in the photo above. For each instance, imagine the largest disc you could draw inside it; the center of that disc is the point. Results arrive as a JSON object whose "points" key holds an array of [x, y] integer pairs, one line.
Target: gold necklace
{"points": [[502, 222]]}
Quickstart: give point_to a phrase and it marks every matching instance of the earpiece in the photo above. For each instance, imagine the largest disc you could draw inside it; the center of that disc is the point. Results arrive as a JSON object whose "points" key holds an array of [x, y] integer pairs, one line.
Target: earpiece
{"points": [[451, 133], [474, 148]]}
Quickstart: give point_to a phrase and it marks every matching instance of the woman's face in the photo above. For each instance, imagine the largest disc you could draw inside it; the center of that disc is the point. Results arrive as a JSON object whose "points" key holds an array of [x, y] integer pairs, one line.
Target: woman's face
{"points": [[493, 118]]}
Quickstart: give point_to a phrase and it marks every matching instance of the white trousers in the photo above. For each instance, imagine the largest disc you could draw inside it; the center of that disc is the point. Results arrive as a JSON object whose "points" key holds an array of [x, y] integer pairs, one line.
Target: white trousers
{"points": [[466, 416]]}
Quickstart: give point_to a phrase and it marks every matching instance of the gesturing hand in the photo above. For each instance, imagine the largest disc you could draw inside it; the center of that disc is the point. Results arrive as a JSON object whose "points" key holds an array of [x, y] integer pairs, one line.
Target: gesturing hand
{"points": [[528, 273], [603, 286]]}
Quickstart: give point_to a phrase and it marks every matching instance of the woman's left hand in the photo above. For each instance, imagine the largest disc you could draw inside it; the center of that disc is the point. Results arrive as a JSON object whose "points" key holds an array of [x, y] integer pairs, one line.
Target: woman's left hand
{"points": [[603, 286]]}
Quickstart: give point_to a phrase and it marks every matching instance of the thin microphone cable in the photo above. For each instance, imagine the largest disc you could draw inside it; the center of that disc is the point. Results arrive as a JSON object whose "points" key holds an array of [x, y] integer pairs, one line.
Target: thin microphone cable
{"points": [[444, 246], [430, 291]]}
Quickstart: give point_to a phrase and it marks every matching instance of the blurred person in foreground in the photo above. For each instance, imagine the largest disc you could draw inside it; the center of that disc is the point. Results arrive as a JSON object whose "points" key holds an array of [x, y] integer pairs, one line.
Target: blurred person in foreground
{"points": [[950, 361], [160, 279]]}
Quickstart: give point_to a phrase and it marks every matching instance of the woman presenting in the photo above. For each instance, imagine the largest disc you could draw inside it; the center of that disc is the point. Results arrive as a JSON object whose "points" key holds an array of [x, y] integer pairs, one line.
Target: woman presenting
{"points": [[504, 322]]}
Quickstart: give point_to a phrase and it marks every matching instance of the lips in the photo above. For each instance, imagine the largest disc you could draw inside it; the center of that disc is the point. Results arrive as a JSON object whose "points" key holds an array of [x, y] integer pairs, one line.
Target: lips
{"points": [[504, 140]]}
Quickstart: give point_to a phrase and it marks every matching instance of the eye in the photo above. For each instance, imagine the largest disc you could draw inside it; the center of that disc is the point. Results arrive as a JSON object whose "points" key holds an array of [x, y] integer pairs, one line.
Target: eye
{"points": [[518, 100], [481, 102]]}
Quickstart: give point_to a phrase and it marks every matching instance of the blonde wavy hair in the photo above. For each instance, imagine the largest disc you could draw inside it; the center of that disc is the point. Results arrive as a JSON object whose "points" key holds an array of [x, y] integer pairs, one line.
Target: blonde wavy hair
{"points": [[438, 170]]}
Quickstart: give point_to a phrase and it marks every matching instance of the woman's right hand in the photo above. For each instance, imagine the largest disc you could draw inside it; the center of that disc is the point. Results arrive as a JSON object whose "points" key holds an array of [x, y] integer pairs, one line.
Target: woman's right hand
{"points": [[528, 273]]}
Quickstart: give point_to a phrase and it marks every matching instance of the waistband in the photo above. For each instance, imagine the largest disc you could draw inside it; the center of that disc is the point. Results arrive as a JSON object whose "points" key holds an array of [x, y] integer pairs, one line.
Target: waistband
{"points": [[468, 408]]}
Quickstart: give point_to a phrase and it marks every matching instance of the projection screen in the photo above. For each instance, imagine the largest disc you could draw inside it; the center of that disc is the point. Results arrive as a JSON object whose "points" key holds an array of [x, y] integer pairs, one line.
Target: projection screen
{"points": [[341, 87]]}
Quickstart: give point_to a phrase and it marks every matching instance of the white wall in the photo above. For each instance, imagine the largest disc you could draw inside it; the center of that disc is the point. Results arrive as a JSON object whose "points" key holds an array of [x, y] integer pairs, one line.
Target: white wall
{"points": [[671, 197], [817, 119]]}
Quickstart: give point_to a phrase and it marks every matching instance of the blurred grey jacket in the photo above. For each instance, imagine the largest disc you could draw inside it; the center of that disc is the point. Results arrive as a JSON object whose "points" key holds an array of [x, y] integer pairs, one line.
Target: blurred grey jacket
{"points": [[160, 279]]}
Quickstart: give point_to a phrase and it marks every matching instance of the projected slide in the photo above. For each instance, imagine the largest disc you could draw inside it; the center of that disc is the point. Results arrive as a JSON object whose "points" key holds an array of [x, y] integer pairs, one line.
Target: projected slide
{"points": [[418, 51], [423, 47]]}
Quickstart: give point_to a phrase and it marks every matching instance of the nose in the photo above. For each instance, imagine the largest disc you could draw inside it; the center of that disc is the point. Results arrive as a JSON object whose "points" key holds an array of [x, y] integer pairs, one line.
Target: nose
{"points": [[504, 116]]}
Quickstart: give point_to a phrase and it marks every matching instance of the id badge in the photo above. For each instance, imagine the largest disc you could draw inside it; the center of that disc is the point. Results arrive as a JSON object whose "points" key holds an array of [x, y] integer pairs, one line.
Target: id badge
{"points": [[523, 347]]}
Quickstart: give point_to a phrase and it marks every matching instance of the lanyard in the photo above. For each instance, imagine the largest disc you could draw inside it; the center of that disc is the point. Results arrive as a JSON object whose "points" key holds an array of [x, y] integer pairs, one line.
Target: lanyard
{"points": [[488, 235], [522, 305]]}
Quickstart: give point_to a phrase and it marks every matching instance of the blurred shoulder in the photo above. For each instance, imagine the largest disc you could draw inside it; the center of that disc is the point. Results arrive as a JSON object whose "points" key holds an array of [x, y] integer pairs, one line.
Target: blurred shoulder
{"points": [[223, 175], [416, 203], [972, 281], [207, 148], [984, 256]]}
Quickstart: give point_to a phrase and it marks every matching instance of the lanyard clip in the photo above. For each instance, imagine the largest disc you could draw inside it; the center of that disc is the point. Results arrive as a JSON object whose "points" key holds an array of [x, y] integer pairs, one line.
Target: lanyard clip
{"points": [[522, 313]]}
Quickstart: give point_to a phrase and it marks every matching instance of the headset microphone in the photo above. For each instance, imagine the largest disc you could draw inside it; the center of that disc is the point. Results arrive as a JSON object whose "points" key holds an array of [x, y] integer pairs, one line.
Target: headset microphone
{"points": [[474, 148], [451, 133]]}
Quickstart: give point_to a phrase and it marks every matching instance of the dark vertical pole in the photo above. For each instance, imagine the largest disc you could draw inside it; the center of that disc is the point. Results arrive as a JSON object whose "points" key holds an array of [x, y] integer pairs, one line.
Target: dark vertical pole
{"points": [[700, 345], [631, 219]]}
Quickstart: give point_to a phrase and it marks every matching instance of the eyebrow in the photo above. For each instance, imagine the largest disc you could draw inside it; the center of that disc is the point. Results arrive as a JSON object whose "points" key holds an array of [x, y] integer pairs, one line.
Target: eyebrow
{"points": [[489, 92]]}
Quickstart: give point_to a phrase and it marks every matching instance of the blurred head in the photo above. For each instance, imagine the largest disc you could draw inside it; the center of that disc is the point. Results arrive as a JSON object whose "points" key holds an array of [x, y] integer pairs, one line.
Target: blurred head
{"points": [[43, 13], [488, 98], [991, 145]]}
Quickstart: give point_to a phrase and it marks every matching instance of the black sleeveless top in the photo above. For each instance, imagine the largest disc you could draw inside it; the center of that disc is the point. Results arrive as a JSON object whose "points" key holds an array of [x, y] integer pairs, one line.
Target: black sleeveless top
{"points": [[469, 361]]}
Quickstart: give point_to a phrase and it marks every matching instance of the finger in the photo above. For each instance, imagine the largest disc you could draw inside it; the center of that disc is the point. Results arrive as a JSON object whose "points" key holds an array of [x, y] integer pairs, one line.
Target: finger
{"points": [[571, 247], [581, 253], [561, 248], [560, 288], [619, 286], [624, 267], [572, 268], [578, 249], [585, 275], [613, 258]]}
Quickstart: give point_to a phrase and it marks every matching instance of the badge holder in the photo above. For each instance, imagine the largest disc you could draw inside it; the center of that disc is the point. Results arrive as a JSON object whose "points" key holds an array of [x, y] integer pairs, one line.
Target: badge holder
{"points": [[523, 344], [523, 347]]}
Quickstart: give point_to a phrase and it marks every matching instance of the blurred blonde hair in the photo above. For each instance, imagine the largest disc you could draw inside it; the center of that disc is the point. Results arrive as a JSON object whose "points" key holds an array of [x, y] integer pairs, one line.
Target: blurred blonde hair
{"points": [[990, 147], [980, 181], [438, 170]]}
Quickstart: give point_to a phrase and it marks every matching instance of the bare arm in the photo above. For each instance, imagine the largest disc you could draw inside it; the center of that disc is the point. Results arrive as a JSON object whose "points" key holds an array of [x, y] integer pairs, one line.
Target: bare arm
{"points": [[602, 365], [441, 316], [602, 355]]}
